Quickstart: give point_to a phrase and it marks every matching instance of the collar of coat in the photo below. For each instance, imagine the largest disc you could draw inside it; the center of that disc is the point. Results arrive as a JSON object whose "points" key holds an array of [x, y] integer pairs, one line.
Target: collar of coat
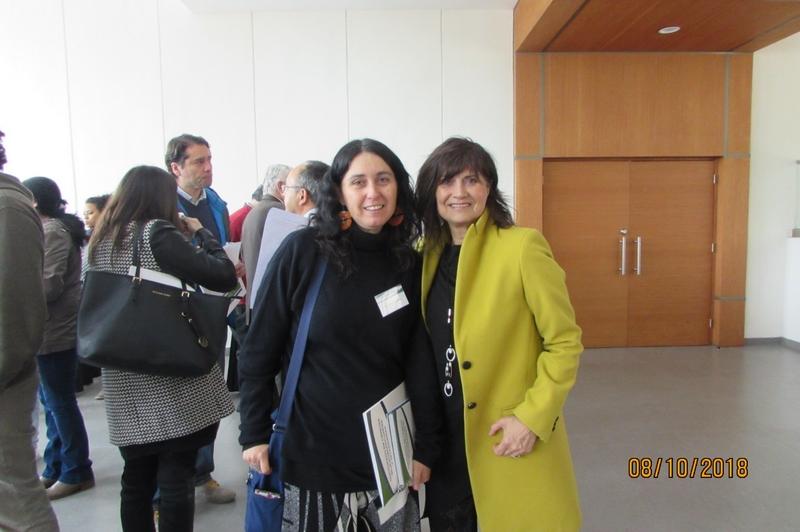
{"points": [[476, 230]]}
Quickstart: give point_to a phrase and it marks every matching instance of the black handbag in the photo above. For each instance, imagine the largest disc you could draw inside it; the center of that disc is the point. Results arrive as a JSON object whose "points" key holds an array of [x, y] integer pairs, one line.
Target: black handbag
{"points": [[133, 324]]}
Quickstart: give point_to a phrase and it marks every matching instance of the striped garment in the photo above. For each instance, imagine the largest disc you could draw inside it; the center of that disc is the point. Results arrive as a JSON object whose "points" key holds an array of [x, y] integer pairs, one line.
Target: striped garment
{"points": [[315, 511]]}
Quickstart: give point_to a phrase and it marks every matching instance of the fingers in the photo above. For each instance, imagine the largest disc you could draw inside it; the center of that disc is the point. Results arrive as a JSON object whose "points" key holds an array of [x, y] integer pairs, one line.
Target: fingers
{"points": [[497, 426], [420, 474], [263, 464], [257, 457], [517, 439]]}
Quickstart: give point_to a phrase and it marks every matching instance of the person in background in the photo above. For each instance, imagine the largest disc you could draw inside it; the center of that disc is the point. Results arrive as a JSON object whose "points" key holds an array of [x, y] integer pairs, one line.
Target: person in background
{"points": [[357, 351], [238, 216], [237, 320], [188, 159], [68, 468], [253, 229], [302, 189], [506, 350], [92, 209], [23, 502], [159, 423]]}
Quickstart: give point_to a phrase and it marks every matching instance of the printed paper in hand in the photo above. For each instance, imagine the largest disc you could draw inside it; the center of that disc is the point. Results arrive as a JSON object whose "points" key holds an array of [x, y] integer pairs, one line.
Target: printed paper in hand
{"points": [[389, 425]]}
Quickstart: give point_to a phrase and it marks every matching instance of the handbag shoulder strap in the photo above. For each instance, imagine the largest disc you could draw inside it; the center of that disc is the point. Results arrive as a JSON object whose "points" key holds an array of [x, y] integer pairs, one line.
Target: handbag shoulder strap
{"points": [[298, 351], [138, 233]]}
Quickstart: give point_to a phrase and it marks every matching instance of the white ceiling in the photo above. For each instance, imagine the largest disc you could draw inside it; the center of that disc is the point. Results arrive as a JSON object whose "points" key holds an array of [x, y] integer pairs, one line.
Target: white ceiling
{"points": [[205, 6]]}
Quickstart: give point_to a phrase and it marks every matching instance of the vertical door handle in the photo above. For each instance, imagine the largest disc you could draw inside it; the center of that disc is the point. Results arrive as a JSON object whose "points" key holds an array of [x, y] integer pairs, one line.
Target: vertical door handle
{"points": [[638, 268], [623, 252]]}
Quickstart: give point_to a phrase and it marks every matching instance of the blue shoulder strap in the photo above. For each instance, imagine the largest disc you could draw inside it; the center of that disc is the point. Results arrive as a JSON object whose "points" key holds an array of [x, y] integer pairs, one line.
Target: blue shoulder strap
{"points": [[299, 349]]}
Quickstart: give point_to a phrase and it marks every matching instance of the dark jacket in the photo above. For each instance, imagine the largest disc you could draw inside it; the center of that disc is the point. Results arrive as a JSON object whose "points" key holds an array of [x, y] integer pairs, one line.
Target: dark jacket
{"points": [[22, 303]]}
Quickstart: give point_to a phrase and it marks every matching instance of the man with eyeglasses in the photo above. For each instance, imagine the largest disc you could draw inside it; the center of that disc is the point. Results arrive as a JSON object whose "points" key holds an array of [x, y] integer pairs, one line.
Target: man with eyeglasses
{"points": [[303, 187]]}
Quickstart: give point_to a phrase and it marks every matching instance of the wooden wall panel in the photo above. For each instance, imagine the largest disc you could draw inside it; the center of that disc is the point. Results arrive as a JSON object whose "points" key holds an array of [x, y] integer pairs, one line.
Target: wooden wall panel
{"points": [[527, 104], [634, 105], [728, 330], [731, 227], [730, 259], [740, 81], [528, 192]]}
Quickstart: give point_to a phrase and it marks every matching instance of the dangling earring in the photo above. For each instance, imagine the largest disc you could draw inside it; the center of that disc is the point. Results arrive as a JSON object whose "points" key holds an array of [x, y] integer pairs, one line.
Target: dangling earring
{"points": [[397, 218], [345, 220]]}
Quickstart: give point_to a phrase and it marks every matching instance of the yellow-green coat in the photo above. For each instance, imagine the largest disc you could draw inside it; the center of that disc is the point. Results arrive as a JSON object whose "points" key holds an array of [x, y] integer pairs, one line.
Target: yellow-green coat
{"points": [[515, 324]]}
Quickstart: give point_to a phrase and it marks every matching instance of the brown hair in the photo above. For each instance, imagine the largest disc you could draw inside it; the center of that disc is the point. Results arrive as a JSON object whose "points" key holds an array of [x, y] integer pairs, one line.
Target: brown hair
{"points": [[450, 158], [145, 193]]}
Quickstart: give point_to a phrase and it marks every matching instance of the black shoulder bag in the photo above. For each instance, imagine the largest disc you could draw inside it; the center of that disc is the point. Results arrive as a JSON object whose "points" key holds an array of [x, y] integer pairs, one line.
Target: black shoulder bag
{"points": [[132, 324]]}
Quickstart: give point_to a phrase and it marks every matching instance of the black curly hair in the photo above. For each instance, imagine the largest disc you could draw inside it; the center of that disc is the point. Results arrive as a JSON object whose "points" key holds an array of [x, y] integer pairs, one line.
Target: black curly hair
{"points": [[336, 244]]}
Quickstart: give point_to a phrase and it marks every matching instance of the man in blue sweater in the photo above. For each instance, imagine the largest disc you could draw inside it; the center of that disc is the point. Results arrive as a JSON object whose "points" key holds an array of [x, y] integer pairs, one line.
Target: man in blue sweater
{"points": [[188, 158]]}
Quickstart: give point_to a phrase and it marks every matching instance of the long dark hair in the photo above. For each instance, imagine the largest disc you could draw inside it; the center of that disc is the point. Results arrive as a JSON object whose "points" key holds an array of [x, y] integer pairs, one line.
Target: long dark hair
{"points": [[450, 158], [145, 193], [335, 243], [49, 203]]}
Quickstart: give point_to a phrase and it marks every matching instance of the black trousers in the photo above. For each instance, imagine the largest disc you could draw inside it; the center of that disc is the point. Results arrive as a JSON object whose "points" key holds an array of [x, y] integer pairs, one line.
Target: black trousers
{"points": [[460, 517], [172, 471]]}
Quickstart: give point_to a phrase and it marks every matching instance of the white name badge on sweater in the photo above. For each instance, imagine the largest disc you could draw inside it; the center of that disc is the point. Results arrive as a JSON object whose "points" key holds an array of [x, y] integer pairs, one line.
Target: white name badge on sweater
{"points": [[391, 300]]}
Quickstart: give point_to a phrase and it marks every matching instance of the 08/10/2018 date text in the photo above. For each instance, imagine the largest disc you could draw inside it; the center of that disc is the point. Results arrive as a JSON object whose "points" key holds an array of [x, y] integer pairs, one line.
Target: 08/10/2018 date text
{"points": [[688, 467]]}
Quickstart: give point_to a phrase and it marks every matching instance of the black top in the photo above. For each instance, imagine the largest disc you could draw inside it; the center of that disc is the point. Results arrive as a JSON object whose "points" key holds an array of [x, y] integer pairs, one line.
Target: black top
{"points": [[203, 264], [201, 211], [354, 357], [450, 479]]}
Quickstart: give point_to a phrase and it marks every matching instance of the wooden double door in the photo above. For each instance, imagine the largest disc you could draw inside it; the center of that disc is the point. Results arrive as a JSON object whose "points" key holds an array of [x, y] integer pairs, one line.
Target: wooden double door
{"points": [[635, 239]]}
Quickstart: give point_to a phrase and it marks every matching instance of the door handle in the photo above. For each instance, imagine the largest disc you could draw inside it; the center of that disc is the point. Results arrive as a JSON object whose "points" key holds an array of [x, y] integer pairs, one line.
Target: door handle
{"points": [[623, 252], [638, 268]]}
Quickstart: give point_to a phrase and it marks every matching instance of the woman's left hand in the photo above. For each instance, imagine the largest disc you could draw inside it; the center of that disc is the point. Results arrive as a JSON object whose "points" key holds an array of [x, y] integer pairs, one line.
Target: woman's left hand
{"points": [[420, 474], [517, 439]]}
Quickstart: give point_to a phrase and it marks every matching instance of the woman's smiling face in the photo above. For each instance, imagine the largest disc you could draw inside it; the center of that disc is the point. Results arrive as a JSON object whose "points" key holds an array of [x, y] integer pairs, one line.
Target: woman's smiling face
{"points": [[369, 191]]}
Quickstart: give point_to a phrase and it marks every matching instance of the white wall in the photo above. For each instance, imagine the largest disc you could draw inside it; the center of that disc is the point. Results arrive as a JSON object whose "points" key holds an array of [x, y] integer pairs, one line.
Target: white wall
{"points": [[772, 296], [791, 317], [94, 89]]}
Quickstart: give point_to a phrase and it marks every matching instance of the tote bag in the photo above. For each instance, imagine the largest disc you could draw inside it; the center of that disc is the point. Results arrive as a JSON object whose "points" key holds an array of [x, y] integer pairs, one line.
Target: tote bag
{"points": [[132, 324]]}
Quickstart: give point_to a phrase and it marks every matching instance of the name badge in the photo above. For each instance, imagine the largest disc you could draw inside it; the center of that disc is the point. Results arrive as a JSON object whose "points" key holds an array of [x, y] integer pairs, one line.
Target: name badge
{"points": [[391, 300]]}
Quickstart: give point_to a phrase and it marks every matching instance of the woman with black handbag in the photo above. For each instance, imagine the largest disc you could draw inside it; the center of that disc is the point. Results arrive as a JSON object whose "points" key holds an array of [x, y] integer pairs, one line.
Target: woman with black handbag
{"points": [[159, 422]]}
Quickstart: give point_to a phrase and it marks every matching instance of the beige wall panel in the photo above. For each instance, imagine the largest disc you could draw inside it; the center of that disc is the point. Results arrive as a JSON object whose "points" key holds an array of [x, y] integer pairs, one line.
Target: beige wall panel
{"points": [[528, 192], [731, 227], [728, 330], [740, 81], [621, 105], [527, 104]]}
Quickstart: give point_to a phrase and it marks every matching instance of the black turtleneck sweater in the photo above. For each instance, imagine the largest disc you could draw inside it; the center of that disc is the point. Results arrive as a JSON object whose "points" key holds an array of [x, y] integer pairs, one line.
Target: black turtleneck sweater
{"points": [[353, 357]]}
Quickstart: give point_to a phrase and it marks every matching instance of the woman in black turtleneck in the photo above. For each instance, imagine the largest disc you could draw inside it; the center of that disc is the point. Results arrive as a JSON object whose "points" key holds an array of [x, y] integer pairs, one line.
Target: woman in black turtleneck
{"points": [[356, 353]]}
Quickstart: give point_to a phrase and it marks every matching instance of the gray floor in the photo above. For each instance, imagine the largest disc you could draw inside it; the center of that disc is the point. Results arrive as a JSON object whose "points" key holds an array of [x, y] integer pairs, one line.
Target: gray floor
{"points": [[628, 403]]}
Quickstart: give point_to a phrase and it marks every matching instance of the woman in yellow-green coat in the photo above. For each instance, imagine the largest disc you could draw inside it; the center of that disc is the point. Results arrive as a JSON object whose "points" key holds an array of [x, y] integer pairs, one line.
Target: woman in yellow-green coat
{"points": [[506, 350]]}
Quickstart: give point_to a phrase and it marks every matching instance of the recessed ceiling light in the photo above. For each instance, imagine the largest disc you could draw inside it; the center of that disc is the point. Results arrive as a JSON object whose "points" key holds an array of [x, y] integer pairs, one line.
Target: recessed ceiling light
{"points": [[666, 30]]}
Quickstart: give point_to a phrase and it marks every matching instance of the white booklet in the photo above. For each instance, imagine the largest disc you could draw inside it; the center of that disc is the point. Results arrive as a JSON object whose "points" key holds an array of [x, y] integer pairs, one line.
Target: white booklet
{"points": [[389, 426]]}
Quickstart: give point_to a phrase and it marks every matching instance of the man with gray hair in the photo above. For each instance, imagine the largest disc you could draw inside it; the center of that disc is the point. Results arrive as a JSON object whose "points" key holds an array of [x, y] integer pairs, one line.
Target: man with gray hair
{"points": [[302, 188], [253, 228]]}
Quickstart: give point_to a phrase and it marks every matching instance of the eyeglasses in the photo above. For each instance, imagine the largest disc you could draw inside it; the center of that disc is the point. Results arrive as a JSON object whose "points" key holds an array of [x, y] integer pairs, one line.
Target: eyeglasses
{"points": [[292, 186]]}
